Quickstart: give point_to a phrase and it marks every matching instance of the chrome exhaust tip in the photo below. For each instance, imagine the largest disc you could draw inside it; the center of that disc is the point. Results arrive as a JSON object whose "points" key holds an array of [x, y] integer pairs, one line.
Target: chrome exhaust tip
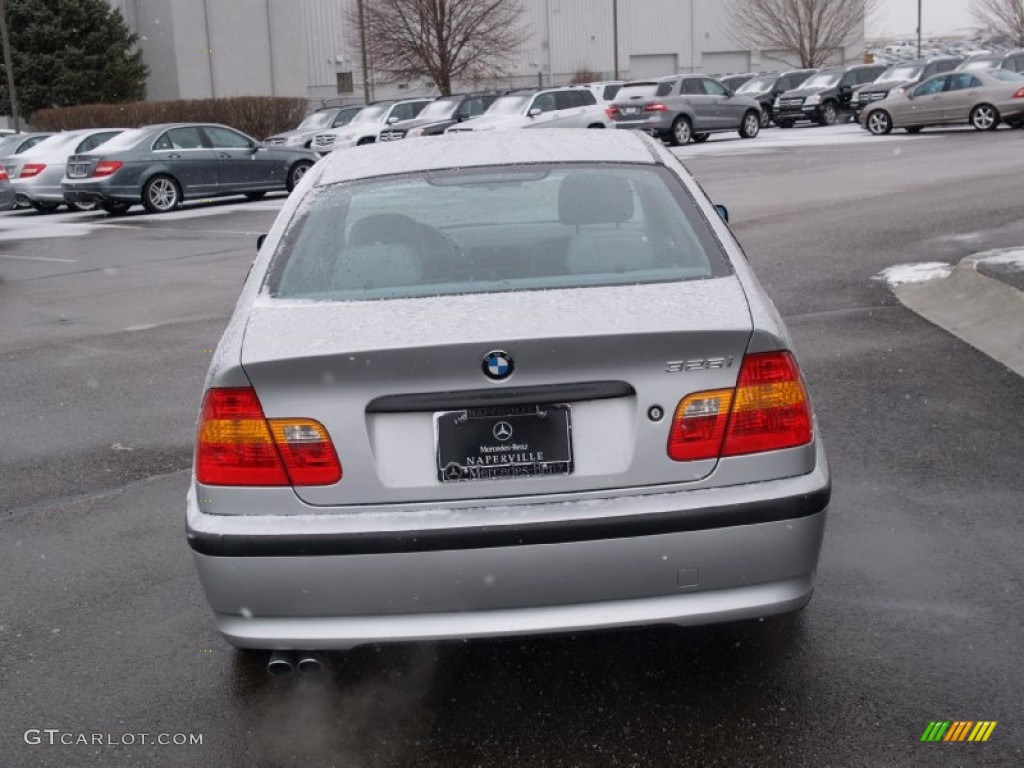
{"points": [[310, 663], [281, 663]]}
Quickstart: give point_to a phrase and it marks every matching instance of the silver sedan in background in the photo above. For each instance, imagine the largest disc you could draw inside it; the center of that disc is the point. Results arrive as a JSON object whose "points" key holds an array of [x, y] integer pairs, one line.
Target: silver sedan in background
{"points": [[159, 166], [37, 173], [982, 99], [501, 388]]}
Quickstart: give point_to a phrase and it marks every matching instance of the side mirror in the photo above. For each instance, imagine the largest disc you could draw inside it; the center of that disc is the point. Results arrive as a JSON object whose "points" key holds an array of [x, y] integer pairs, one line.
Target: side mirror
{"points": [[723, 212], [534, 112], [392, 120], [259, 242]]}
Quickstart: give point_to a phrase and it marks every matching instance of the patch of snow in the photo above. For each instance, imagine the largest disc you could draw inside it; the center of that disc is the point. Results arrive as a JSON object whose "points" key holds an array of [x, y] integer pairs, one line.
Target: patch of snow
{"points": [[902, 274], [1012, 259]]}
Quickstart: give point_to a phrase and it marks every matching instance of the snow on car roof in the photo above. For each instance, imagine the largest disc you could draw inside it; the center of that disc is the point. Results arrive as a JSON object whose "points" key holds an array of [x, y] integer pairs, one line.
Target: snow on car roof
{"points": [[481, 149]]}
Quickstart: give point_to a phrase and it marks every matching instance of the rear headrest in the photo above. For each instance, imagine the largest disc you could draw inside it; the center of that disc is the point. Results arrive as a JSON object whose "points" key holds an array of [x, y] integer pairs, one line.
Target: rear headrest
{"points": [[367, 267], [594, 197]]}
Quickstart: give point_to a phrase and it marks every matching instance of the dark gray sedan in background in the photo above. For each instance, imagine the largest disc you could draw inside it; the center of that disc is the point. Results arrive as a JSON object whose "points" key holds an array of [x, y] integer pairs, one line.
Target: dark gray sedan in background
{"points": [[159, 166]]}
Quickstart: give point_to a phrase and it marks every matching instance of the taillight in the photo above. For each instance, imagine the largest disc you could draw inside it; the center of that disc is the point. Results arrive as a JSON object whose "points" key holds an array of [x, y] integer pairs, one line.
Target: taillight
{"points": [[3, 175], [655, 107], [237, 445], [767, 411], [31, 169], [1019, 94], [107, 167], [611, 111]]}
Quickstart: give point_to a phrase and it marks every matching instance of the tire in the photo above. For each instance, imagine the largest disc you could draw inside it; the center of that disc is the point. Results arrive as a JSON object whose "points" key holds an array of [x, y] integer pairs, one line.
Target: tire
{"points": [[161, 194], [367, 140], [681, 132], [595, 125], [914, 129], [751, 125], [256, 195], [82, 207], [784, 123], [766, 118], [115, 207], [700, 138], [879, 122], [829, 114], [984, 117], [296, 172], [44, 207]]}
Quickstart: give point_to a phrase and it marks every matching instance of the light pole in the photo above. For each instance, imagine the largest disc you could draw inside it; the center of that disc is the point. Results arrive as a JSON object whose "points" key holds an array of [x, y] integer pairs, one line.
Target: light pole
{"points": [[919, 29], [9, 66], [615, 35], [362, 47]]}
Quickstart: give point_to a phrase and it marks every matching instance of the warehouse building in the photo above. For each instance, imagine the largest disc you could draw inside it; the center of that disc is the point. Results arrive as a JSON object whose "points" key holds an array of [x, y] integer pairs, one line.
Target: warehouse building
{"points": [[202, 48]]}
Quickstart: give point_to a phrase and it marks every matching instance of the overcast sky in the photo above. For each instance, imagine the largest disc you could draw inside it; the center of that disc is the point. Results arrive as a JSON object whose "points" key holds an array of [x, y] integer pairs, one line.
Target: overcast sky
{"points": [[899, 17]]}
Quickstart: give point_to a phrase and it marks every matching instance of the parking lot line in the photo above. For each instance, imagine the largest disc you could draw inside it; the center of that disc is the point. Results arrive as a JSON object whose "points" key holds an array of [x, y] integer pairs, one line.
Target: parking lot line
{"points": [[37, 258]]}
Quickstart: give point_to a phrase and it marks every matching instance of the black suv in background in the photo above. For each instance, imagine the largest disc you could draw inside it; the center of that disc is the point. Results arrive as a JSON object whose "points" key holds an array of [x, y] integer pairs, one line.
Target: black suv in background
{"points": [[766, 88], [824, 98], [899, 76], [439, 115]]}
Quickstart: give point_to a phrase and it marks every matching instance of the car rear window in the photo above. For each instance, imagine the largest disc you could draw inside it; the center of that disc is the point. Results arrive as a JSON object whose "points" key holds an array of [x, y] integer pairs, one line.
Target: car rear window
{"points": [[495, 229]]}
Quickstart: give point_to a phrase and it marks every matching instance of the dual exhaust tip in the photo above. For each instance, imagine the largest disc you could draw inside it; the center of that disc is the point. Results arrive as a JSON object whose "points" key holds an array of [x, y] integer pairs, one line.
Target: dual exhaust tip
{"points": [[283, 663]]}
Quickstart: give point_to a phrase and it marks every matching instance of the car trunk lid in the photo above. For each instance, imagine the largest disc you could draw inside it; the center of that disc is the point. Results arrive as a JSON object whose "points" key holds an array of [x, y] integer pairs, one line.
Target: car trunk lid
{"points": [[380, 374]]}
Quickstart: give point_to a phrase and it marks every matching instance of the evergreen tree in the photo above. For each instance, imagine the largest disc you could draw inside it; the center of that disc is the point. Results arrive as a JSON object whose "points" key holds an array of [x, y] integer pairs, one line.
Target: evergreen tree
{"points": [[69, 52]]}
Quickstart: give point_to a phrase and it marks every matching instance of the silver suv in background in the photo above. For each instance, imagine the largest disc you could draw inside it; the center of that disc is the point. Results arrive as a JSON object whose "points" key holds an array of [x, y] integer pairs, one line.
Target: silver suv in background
{"points": [[681, 108], [567, 107], [365, 127], [322, 119]]}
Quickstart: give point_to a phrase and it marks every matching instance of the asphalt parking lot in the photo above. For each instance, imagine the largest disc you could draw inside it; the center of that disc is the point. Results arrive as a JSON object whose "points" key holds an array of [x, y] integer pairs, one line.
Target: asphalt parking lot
{"points": [[107, 326]]}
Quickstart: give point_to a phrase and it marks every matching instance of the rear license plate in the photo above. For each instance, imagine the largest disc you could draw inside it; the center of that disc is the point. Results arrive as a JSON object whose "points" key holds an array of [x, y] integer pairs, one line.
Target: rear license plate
{"points": [[503, 442], [78, 171], [631, 111]]}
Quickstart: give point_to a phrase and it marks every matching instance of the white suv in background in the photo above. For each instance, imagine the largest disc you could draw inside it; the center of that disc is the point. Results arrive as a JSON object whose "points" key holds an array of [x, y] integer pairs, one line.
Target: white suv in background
{"points": [[568, 107], [365, 128]]}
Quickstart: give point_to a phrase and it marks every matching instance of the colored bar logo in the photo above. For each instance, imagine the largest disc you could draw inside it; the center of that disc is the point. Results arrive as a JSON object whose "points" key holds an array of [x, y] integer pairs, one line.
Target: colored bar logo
{"points": [[958, 730]]}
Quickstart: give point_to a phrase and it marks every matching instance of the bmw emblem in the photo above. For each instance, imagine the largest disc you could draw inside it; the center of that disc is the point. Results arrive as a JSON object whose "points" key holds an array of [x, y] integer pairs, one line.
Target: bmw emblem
{"points": [[498, 365]]}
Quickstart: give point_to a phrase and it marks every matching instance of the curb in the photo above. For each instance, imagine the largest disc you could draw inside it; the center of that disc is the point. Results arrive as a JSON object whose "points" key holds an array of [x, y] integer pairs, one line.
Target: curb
{"points": [[980, 310]]}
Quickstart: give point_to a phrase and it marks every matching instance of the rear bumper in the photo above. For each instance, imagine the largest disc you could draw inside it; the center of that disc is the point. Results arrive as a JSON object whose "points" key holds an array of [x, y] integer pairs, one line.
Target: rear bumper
{"points": [[89, 191], [679, 558], [7, 198]]}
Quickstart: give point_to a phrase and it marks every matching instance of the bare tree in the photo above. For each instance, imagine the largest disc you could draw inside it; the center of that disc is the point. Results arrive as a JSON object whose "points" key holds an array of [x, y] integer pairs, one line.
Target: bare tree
{"points": [[1001, 18], [808, 32], [444, 40]]}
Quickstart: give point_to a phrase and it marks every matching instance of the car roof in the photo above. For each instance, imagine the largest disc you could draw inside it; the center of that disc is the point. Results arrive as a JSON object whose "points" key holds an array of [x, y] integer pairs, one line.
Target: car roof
{"points": [[473, 150]]}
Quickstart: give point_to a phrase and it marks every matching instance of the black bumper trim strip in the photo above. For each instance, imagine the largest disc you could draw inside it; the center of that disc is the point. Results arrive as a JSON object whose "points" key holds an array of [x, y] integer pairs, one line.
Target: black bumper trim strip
{"points": [[485, 398], [565, 531]]}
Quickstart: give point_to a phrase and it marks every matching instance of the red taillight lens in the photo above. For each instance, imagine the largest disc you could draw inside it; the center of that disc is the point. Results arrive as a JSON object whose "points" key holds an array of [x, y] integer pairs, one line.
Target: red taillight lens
{"points": [[767, 411], [655, 107], [107, 167], [611, 111], [236, 445], [1019, 94], [770, 410], [699, 426], [3, 175], [31, 169]]}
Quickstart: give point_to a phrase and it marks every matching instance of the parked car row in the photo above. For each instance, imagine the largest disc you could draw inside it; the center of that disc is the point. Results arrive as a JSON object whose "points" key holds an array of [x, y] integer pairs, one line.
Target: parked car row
{"points": [[157, 166]]}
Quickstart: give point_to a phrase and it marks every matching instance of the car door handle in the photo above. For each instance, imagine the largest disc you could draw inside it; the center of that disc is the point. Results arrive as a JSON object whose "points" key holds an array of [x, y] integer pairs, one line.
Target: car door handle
{"points": [[223, 155], [174, 156]]}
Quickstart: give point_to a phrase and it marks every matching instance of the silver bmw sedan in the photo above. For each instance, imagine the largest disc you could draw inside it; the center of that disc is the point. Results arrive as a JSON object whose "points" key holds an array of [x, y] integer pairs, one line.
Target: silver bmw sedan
{"points": [[495, 387]]}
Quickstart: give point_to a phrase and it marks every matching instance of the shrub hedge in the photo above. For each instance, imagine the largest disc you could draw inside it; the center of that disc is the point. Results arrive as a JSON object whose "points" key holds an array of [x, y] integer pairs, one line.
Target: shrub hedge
{"points": [[258, 116]]}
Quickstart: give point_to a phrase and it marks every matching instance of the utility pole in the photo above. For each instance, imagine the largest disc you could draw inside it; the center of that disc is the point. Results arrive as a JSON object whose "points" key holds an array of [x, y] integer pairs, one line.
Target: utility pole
{"points": [[919, 29], [615, 35], [362, 50], [6, 39]]}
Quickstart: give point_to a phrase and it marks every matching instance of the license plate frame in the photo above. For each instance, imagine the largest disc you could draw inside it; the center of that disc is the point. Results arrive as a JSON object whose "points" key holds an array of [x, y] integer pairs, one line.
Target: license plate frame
{"points": [[503, 442], [78, 170]]}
